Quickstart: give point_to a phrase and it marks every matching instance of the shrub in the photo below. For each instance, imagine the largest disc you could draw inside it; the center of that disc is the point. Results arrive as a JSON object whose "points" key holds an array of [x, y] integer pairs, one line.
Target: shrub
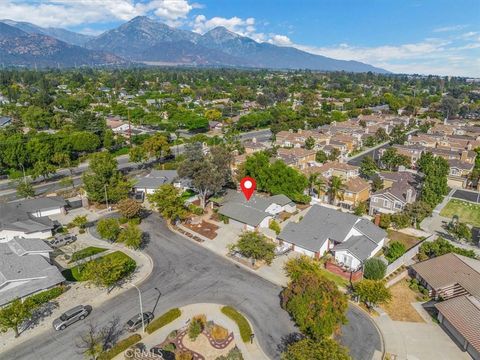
{"points": [[196, 210], [45, 296], [183, 355], [374, 269], [163, 320], [120, 347], [394, 251], [385, 220], [129, 208], [79, 221], [170, 347], [242, 322], [274, 226], [219, 333], [194, 329], [108, 229]]}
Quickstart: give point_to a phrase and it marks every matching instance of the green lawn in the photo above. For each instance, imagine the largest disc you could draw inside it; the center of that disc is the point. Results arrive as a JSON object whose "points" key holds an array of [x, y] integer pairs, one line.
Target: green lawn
{"points": [[74, 273], [340, 281], [467, 212], [87, 252]]}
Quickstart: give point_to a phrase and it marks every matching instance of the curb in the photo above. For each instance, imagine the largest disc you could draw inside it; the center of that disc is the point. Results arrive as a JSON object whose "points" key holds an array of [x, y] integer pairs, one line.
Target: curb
{"points": [[382, 340]]}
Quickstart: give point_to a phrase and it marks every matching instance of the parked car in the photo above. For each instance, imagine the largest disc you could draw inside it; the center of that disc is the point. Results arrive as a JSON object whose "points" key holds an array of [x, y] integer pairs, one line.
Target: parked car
{"points": [[135, 322], [71, 316], [62, 240]]}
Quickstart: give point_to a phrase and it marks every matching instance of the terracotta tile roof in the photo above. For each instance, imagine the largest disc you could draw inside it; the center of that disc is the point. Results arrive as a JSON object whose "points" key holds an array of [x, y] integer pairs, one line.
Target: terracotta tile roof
{"points": [[338, 166], [356, 185], [450, 269], [463, 312]]}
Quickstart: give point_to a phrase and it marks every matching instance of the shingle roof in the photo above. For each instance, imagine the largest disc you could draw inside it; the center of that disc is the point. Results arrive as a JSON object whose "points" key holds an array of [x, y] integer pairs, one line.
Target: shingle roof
{"points": [[322, 223], [42, 203], [22, 246], [463, 312], [359, 246], [451, 269], [250, 212], [155, 179], [16, 219]]}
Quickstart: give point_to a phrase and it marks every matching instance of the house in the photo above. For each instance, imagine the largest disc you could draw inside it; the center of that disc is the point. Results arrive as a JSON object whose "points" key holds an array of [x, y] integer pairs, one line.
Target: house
{"points": [[255, 213], [41, 207], [412, 152], [5, 121], [459, 173], [149, 183], [29, 218], [25, 269], [343, 170], [399, 189], [352, 239], [455, 279], [297, 157], [356, 190], [254, 146]]}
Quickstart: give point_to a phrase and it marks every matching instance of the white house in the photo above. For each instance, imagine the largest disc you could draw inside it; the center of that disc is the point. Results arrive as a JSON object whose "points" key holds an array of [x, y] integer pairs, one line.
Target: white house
{"points": [[352, 239]]}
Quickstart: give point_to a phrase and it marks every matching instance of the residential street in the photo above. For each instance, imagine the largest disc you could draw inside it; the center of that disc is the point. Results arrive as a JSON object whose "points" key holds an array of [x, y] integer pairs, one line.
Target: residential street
{"points": [[186, 273]]}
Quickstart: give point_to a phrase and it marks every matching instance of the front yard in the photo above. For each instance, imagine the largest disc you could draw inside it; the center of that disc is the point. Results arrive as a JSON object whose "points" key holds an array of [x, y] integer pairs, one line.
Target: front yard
{"points": [[467, 212], [400, 307]]}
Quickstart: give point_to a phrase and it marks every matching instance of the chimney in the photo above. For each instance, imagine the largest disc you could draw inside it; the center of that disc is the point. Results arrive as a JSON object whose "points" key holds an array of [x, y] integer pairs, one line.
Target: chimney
{"points": [[464, 155], [409, 195], [377, 220]]}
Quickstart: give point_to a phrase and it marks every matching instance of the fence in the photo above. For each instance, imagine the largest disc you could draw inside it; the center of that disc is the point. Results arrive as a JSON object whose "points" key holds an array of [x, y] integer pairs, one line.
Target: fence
{"points": [[405, 258]]}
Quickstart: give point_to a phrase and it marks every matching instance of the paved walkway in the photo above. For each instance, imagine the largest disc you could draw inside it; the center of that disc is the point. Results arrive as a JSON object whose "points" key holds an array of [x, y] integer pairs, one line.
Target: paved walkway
{"points": [[83, 293], [444, 202], [213, 313]]}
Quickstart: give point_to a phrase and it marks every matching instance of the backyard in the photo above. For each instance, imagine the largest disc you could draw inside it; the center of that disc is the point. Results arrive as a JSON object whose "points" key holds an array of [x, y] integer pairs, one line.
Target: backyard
{"points": [[408, 241], [467, 212], [400, 307]]}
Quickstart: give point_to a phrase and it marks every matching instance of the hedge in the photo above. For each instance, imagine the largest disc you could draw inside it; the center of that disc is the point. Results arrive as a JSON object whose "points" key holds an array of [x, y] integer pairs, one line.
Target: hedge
{"points": [[163, 320], [242, 322], [46, 296], [120, 347]]}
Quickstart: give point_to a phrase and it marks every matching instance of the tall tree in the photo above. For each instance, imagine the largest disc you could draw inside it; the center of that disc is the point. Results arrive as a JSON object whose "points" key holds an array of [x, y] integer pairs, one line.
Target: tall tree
{"points": [[336, 189], [169, 202], [255, 246], [368, 167], [209, 173], [14, 314]]}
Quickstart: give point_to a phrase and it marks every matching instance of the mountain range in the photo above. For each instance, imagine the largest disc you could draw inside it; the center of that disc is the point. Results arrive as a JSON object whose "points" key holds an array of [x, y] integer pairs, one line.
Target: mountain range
{"points": [[143, 40]]}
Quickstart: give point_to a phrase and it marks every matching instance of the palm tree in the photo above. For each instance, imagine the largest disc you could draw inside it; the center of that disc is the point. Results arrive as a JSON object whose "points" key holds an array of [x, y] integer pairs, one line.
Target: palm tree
{"points": [[316, 183], [336, 189]]}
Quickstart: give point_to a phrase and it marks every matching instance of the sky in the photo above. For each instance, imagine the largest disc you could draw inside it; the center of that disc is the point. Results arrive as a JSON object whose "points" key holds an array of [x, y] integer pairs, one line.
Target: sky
{"points": [[439, 37]]}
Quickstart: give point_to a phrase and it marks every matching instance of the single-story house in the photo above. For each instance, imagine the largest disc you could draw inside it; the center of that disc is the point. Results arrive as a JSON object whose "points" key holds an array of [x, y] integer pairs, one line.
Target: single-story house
{"points": [[456, 280], [149, 183], [17, 222], [352, 239], [44, 206], [25, 269], [255, 213]]}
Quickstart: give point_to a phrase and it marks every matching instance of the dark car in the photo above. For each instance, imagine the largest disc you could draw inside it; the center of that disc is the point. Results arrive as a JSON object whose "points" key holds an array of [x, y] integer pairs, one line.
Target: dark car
{"points": [[71, 316], [135, 322]]}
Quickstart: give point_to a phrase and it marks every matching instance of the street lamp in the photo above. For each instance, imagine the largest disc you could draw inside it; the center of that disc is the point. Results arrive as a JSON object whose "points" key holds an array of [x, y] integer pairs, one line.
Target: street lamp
{"points": [[141, 306], [106, 196]]}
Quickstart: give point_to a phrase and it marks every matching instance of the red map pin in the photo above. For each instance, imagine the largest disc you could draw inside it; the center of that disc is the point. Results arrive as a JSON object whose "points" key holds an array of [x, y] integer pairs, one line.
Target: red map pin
{"points": [[248, 185]]}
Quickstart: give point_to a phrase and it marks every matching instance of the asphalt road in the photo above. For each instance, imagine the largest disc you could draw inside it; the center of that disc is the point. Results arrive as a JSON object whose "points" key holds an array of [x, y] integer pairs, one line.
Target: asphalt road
{"points": [[187, 273], [469, 195]]}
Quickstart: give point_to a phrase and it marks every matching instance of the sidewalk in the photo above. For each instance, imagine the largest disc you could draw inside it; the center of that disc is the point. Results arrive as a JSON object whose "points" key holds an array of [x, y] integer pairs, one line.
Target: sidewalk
{"points": [[83, 293], [212, 312]]}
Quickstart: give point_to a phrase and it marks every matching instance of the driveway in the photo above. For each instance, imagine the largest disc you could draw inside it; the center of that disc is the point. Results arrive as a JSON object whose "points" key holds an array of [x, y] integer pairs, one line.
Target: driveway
{"points": [[468, 195], [187, 273]]}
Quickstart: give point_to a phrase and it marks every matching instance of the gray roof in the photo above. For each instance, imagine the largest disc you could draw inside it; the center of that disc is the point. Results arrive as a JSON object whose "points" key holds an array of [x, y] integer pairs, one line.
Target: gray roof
{"points": [[39, 204], [32, 273], [5, 120], [22, 246], [359, 246], [12, 217], [251, 212], [155, 179], [322, 223]]}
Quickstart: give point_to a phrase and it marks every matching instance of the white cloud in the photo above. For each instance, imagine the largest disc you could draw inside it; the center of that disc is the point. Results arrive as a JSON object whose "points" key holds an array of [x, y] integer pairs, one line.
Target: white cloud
{"points": [[67, 13], [449, 28], [281, 40]]}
